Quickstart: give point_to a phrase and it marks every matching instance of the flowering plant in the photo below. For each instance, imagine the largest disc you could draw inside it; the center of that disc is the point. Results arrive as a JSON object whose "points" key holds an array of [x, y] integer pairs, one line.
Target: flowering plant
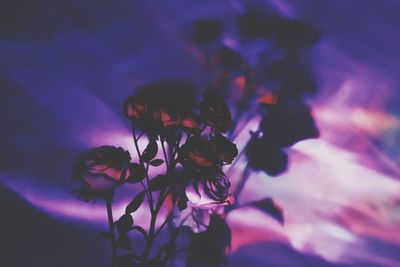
{"points": [[180, 139], [191, 144]]}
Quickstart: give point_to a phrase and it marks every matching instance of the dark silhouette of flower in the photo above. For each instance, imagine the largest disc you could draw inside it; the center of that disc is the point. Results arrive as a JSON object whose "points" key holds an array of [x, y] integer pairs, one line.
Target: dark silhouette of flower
{"points": [[103, 168], [190, 123], [215, 112], [287, 123], [266, 156], [135, 107], [206, 153], [161, 105], [226, 151], [198, 151], [161, 116]]}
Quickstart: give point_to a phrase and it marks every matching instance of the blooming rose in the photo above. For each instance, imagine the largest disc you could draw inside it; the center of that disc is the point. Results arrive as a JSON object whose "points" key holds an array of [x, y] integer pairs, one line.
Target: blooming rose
{"points": [[207, 153], [102, 168], [216, 185], [215, 112], [200, 151], [200, 208]]}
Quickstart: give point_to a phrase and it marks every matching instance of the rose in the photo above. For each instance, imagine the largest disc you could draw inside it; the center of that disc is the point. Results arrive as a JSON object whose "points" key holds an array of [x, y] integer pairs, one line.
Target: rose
{"points": [[190, 123], [198, 211], [199, 151], [216, 185], [135, 107], [166, 119], [266, 156], [207, 153], [226, 151], [103, 168], [215, 112]]}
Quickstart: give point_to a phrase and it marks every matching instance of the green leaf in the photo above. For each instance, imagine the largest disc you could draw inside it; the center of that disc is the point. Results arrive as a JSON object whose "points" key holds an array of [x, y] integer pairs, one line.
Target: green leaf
{"points": [[158, 183], [268, 206], [135, 203], [124, 223], [156, 162], [150, 152], [137, 173]]}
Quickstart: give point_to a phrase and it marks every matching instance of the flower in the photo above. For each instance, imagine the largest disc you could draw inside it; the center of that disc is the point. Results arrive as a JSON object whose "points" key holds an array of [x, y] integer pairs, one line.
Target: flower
{"points": [[216, 185], [102, 168], [199, 151], [206, 153], [159, 108], [135, 107], [200, 208], [190, 123], [215, 112], [226, 150], [287, 123], [161, 116], [266, 156]]}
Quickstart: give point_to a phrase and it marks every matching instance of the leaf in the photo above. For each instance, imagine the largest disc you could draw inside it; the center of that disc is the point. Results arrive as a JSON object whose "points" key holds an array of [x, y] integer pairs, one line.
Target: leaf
{"points": [[158, 183], [124, 223], [156, 162], [209, 247], [135, 203], [268, 206], [137, 173], [150, 152], [124, 242], [140, 230]]}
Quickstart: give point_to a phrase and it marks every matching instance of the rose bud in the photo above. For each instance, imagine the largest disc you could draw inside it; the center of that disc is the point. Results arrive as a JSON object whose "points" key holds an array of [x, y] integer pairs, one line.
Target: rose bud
{"points": [[103, 168], [215, 112], [225, 149], [135, 107]]}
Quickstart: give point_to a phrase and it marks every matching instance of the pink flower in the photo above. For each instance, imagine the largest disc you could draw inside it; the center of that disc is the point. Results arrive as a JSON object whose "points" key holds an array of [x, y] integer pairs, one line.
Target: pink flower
{"points": [[197, 214]]}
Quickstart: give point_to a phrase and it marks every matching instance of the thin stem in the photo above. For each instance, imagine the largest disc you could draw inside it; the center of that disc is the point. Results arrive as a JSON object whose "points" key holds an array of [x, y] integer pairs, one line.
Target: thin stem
{"points": [[111, 229], [171, 243], [151, 235], [154, 213], [239, 188], [148, 192], [163, 224], [165, 153]]}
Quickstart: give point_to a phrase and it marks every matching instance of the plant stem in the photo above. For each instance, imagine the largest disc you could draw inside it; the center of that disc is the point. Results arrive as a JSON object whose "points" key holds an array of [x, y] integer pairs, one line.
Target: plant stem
{"points": [[154, 212], [148, 192], [239, 188], [111, 229]]}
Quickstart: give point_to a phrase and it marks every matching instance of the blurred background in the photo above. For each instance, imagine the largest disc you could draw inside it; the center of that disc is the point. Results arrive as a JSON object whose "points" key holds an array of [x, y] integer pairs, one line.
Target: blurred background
{"points": [[66, 67]]}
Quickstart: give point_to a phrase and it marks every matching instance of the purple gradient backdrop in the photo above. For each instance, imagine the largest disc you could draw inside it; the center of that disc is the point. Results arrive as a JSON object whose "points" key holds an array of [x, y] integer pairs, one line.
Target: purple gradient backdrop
{"points": [[66, 66]]}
